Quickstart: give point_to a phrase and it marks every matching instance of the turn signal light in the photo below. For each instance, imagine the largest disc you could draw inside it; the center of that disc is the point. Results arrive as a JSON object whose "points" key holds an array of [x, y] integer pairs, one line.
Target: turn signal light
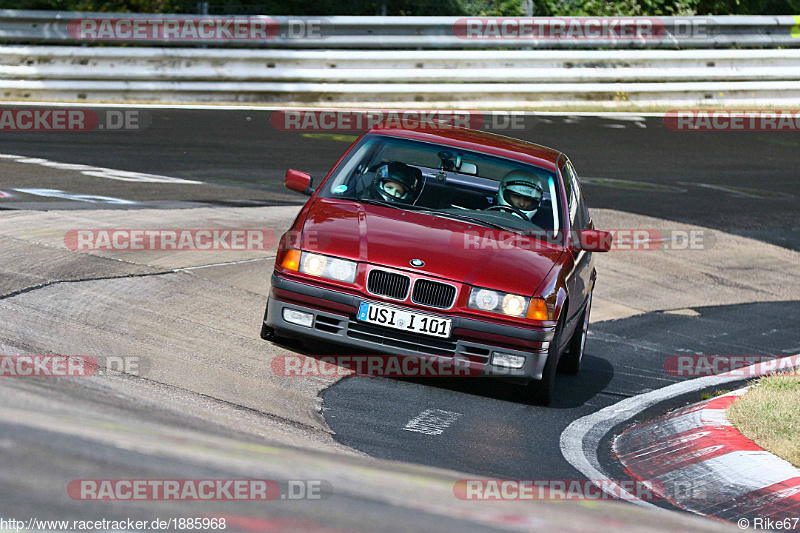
{"points": [[291, 261], [537, 310]]}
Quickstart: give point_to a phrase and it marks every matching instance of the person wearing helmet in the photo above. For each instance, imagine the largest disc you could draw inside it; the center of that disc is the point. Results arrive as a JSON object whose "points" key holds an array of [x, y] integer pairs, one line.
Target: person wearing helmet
{"points": [[397, 182], [520, 190]]}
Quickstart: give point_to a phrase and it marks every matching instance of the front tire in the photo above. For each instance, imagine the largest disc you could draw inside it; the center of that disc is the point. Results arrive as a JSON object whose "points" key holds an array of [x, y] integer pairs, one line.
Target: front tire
{"points": [[571, 364], [268, 333], [541, 392]]}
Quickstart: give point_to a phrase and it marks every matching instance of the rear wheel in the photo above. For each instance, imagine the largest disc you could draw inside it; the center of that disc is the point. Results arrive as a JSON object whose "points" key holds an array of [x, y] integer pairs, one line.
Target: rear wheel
{"points": [[571, 364]]}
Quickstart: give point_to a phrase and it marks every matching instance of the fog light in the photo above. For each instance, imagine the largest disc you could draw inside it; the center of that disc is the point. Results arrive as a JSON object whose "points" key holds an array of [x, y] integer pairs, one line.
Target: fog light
{"points": [[298, 317], [507, 360]]}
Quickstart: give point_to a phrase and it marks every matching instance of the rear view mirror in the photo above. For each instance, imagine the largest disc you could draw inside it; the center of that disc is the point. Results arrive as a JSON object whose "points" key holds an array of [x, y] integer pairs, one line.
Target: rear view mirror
{"points": [[469, 168], [298, 181], [594, 240]]}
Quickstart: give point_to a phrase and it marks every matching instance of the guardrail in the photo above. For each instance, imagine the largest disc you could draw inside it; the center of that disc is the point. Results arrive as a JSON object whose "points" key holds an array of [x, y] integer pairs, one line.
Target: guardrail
{"points": [[495, 78], [395, 67], [54, 27], [432, 75]]}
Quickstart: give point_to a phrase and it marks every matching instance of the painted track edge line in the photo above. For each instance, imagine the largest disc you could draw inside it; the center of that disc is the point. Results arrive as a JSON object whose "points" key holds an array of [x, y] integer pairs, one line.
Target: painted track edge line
{"points": [[580, 441]]}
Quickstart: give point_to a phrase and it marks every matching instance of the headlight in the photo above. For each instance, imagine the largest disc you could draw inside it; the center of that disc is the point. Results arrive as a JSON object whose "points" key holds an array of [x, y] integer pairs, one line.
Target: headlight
{"points": [[497, 302], [484, 299], [328, 267], [314, 264], [513, 305]]}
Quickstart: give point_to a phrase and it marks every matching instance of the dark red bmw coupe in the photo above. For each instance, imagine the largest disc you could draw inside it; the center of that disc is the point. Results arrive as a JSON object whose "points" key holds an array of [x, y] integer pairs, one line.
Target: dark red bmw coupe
{"points": [[446, 243]]}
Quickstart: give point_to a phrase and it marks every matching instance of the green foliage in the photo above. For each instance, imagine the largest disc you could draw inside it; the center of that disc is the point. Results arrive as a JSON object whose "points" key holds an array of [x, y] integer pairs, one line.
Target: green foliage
{"points": [[709, 395], [600, 8], [105, 6], [492, 8]]}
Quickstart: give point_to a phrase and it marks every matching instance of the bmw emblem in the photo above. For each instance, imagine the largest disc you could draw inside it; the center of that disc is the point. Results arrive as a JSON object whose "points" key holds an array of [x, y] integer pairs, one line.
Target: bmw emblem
{"points": [[417, 263]]}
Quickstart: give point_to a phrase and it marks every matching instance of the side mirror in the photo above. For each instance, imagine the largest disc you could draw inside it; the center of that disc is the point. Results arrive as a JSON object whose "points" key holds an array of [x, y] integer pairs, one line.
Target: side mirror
{"points": [[298, 181], [594, 240]]}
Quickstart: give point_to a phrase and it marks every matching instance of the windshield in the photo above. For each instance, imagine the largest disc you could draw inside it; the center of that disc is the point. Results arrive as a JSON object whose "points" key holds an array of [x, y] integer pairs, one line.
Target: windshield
{"points": [[447, 181]]}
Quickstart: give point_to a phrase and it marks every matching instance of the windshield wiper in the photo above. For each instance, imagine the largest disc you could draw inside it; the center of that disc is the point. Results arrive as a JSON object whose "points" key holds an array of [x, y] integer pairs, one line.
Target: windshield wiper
{"points": [[404, 207], [372, 202], [467, 218]]}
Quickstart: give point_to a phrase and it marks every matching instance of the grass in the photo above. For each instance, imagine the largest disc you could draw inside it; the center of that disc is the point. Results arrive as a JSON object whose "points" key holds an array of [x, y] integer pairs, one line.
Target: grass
{"points": [[769, 415], [709, 395]]}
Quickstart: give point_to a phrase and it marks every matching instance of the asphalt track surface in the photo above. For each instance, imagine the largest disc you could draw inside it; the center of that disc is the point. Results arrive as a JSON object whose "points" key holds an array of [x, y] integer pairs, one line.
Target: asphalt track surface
{"points": [[498, 437], [743, 183], [746, 183]]}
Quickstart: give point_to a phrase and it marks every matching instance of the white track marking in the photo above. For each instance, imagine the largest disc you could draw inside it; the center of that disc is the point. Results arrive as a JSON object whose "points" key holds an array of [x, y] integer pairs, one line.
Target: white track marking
{"points": [[714, 417], [99, 172], [734, 474], [432, 421], [581, 439], [225, 264], [630, 117], [742, 192], [91, 198]]}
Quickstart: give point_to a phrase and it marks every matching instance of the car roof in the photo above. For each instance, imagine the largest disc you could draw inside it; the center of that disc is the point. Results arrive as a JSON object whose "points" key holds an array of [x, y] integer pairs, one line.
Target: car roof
{"points": [[479, 141]]}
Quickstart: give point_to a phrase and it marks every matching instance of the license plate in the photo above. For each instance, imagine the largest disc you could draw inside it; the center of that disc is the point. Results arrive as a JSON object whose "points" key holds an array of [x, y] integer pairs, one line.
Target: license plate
{"points": [[392, 317]]}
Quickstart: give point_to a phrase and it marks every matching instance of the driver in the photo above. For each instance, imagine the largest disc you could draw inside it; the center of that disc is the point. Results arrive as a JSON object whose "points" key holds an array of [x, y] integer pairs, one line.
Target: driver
{"points": [[397, 182], [521, 190]]}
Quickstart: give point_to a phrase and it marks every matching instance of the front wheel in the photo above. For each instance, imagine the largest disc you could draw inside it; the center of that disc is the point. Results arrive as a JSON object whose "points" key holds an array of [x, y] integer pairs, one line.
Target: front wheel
{"points": [[541, 392], [571, 364], [268, 333]]}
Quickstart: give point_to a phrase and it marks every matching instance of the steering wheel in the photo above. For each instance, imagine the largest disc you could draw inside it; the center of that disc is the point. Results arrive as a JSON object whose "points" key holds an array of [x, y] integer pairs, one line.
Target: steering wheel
{"points": [[509, 208]]}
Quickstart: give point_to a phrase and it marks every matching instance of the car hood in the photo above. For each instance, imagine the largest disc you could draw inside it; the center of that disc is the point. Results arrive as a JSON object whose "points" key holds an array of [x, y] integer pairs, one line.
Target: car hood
{"points": [[452, 249]]}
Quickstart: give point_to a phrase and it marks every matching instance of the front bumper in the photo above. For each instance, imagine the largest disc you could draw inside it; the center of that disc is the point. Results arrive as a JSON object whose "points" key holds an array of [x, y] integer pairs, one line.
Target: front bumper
{"points": [[334, 321]]}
